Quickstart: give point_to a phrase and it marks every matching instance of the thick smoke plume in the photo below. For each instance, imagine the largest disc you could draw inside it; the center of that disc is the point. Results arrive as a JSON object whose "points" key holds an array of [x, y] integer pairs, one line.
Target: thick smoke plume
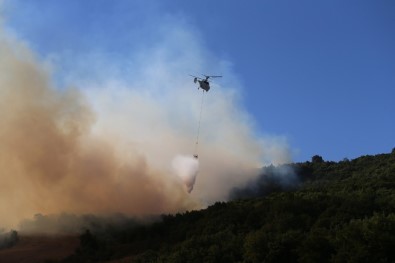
{"points": [[51, 162], [109, 147]]}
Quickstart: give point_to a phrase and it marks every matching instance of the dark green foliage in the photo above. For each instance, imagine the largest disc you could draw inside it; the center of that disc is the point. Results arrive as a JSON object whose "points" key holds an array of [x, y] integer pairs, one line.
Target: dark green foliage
{"points": [[367, 240], [317, 159], [271, 180], [340, 212], [91, 249]]}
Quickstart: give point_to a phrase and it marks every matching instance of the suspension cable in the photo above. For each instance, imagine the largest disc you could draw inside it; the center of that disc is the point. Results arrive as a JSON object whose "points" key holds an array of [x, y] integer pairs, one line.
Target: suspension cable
{"points": [[198, 131]]}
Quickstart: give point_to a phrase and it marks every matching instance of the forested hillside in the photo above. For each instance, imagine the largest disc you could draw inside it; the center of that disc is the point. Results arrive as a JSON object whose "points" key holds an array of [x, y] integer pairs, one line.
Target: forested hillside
{"points": [[329, 212]]}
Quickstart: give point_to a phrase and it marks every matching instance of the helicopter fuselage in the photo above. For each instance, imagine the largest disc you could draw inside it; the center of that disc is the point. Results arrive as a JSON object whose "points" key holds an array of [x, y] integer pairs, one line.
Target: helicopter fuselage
{"points": [[204, 84]]}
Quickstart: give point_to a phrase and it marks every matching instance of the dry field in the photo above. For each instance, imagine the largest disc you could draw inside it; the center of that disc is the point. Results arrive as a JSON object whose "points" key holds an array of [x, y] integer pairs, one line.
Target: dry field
{"points": [[39, 248]]}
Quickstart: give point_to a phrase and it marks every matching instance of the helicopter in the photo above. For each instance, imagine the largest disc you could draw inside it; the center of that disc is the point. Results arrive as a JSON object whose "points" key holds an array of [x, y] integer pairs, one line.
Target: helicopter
{"points": [[204, 84]]}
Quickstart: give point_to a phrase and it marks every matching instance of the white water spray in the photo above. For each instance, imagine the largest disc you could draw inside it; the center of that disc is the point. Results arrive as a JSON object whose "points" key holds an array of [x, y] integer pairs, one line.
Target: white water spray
{"points": [[187, 168]]}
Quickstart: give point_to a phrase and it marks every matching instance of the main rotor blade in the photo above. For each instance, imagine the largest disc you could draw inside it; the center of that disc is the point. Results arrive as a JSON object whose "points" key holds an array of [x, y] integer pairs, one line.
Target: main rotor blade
{"points": [[212, 76], [195, 76]]}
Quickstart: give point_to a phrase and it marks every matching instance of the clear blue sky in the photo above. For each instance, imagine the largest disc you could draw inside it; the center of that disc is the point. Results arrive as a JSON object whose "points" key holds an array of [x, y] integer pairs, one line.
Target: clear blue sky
{"points": [[320, 73]]}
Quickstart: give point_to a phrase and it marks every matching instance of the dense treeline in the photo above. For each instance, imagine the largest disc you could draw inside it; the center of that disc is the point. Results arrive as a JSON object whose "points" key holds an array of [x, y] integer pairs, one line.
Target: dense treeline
{"points": [[339, 212], [8, 239]]}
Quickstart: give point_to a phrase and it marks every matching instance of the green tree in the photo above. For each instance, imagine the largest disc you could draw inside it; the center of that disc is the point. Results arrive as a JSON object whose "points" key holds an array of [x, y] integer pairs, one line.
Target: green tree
{"points": [[317, 159]]}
